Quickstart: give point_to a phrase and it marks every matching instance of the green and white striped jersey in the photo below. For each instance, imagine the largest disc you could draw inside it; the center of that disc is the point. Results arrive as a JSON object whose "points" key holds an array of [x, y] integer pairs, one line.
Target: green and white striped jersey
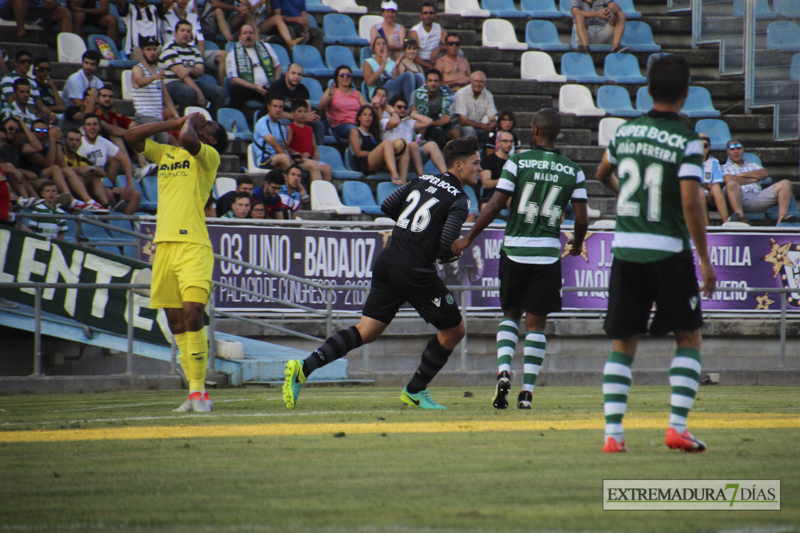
{"points": [[652, 154], [540, 182]]}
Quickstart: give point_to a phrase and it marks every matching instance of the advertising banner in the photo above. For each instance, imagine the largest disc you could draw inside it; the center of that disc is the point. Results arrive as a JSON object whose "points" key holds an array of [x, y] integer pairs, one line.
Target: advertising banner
{"points": [[345, 257]]}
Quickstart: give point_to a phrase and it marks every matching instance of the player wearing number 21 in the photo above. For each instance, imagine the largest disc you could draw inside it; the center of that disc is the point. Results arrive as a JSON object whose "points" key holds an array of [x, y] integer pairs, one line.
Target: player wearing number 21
{"points": [[429, 212], [659, 168], [540, 183]]}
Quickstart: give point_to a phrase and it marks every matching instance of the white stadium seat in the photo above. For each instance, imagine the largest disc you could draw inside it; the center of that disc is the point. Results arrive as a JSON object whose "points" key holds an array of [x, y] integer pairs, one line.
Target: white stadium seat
{"points": [[70, 48], [196, 109], [499, 33], [608, 126], [252, 166], [577, 100], [465, 8], [366, 23], [127, 85], [345, 6], [223, 185], [539, 66], [325, 198]]}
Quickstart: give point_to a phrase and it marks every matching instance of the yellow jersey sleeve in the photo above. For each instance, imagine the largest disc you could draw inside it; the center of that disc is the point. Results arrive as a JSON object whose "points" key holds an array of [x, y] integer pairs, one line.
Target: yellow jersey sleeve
{"points": [[154, 151], [208, 159]]}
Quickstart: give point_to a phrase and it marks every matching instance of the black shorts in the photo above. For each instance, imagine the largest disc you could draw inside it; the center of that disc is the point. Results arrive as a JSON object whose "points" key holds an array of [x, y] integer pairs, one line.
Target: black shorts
{"points": [[633, 288], [393, 285], [534, 288]]}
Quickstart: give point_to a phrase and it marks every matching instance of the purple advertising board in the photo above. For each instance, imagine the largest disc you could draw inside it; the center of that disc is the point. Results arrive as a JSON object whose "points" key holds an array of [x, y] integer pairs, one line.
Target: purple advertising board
{"points": [[346, 257]]}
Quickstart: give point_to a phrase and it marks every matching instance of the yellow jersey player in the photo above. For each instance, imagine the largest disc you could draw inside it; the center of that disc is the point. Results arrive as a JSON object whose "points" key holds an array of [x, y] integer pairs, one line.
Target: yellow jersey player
{"points": [[184, 259]]}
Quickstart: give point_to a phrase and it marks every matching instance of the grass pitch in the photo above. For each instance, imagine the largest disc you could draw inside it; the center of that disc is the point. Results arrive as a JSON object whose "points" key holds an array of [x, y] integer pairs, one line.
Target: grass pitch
{"points": [[354, 459]]}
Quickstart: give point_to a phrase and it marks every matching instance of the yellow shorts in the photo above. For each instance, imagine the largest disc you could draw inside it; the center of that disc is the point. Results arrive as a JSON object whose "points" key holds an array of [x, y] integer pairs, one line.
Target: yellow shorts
{"points": [[179, 266]]}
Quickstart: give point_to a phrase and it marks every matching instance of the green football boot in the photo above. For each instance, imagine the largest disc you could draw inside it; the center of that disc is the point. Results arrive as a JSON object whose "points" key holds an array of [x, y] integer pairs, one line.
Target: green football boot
{"points": [[294, 382], [421, 399]]}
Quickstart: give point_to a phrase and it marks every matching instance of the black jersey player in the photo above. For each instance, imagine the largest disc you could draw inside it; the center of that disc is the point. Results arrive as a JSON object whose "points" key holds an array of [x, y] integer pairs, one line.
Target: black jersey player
{"points": [[429, 212]]}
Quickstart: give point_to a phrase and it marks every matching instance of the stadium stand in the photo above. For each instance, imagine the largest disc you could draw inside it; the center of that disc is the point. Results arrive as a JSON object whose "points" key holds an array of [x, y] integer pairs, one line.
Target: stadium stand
{"points": [[623, 68], [539, 66], [717, 130], [316, 6], [340, 55], [325, 198], [783, 36], [579, 68], [314, 90], [577, 100], [541, 9], [113, 57], [333, 158], [616, 101], [629, 9], [504, 9], [465, 8], [345, 6], [70, 48], [543, 35], [340, 29], [311, 60], [639, 37], [223, 185], [385, 190], [606, 130], [499, 33], [763, 10], [235, 123], [698, 104], [358, 194], [366, 23], [644, 102]]}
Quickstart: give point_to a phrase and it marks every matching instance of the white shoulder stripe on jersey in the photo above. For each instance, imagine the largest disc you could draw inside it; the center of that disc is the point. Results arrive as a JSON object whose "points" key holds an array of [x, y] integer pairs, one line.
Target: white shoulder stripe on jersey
{"points": [[647, 241], [611, 159], [580, 194], [533, 242], [688, 170], [694, 147], [534, 259], [581, 177], [511, 167], [505, 185]]}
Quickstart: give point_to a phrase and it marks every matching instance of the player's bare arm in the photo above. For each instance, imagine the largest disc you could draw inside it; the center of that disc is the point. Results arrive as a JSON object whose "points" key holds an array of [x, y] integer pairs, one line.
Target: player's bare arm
{"points": [[605, 173], [490, 211], [136, 136], [581, 225], [693, 212], [189, 139]]}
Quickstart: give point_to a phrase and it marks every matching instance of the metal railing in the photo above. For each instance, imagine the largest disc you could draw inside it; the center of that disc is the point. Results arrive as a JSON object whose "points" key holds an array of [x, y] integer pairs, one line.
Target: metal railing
{"points": [[719, 21]]}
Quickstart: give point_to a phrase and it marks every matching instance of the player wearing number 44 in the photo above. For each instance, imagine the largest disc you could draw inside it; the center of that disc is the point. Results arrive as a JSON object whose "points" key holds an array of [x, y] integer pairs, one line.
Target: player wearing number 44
{"points": [[429, 212], [539, 183]]}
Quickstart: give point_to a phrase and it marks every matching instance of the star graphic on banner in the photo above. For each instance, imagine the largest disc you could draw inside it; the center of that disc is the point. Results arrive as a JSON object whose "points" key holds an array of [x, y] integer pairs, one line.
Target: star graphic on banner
{"points": [[385, 235], [779, 257], [764, 302], [568, 247]]}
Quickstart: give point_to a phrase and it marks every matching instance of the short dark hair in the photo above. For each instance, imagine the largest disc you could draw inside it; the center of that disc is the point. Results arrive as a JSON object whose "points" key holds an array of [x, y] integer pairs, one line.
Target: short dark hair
{"points": [[435, 71], [298, 103], [39, 60], [410, 43], [21, 82], [89, 116], [244, 180], [294, 165], [15, 119], [240, 195], [40, 121], [549, 123], [92, 55], [21, 53], [427, 4], [45, 183], [668, 78], [73, 130], [275, 96], [275, 177], [398, 98], [183, 23], [221, 136], [460, 149], [105, 88]]}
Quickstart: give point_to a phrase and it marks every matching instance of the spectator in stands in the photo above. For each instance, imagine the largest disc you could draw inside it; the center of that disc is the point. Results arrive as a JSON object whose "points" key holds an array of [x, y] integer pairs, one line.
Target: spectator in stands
{"points": [[270, 139], [244, 184], [492, 165], [77, 83], [454, 68], [430, 35], [209, 210], [73, 116], [51, 97], [473, 105], [143, 21], [11, 152], [94, 13], [240, 207], [213, 60], [433, 101], [257, 210], [183, 65], [713, 181], [5, 71], [394, 33], [104, 154], [49, 228], [506, 121], [341, 103], [270, 194], [225, 17], [18, 107], [91, 175], [300, 139], [292, 192], [150, 95], [295, 16], [252, 67], [407, 62], [378, 71], [401, 125], [271, 23], [113, 127], [22, 67], [374, 155], [744, 191], [49, 12], [598, 22], [290, 86]]}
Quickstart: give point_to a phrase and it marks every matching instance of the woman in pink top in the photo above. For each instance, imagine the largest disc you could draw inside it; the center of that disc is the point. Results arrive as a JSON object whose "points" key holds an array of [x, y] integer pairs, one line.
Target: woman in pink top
{"points": [[341, 103]]}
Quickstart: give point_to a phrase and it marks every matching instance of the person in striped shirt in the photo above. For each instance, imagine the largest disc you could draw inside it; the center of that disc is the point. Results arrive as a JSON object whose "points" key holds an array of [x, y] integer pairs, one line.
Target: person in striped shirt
{"points": [[659, 167], [51, 228], [150, 95]]}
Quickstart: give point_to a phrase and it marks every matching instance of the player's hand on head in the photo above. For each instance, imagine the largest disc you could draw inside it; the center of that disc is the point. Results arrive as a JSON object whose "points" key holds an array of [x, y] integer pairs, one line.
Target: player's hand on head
{"points": [[198, 120]]}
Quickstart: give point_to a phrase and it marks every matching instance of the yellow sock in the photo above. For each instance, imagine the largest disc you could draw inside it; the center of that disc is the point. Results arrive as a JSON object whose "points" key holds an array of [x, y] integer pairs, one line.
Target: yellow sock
{"points": [[182, 342], [197, 355]]}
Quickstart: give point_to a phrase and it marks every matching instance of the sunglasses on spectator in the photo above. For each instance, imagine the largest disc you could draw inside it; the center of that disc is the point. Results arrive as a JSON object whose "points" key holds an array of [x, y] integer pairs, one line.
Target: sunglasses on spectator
{"points": [[25, 61], [706, 145], [345, 75], [41, 130], [453, 43], [428, 12], [46, 69], [734, 146], [11, 130], [399, 106]]}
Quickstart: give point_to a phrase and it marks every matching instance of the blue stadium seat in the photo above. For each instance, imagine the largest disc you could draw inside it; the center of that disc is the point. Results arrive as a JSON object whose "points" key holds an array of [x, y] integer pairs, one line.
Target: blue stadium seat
{"points": [[698, 104], [283, 56], [580, 68], [127, 251], [784, 36], [339, 29], [349, 164], [717, 130], [310, 58], [543, 35], [763, 12], [365, 54], [146, 204], [565, 8], [750, 157], [94, 233], [473, 199], [503, 9], [314, 90], [794, 69], [150, 188], [644, 102], [331, 156], [358, 194], [639, 37], [112, 9], [235, 122], [623, 68], [772, 213], [787, 8], [229, 46], [108, 183], [312, 22], [628, 8], [122, 60], [541, 9], [315, 6], [385, 190], [616, 101], [340, 55], [211, 45]]}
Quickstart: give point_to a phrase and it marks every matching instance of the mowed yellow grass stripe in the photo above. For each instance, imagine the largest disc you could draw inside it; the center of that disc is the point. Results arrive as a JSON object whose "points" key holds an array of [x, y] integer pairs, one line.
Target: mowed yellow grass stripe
{"points": [[699, 421]]}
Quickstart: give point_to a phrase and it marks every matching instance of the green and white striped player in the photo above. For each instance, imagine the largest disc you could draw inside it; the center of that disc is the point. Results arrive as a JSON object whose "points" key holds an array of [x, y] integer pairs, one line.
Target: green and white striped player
{"points": [[537, 186], [658, 163]]}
